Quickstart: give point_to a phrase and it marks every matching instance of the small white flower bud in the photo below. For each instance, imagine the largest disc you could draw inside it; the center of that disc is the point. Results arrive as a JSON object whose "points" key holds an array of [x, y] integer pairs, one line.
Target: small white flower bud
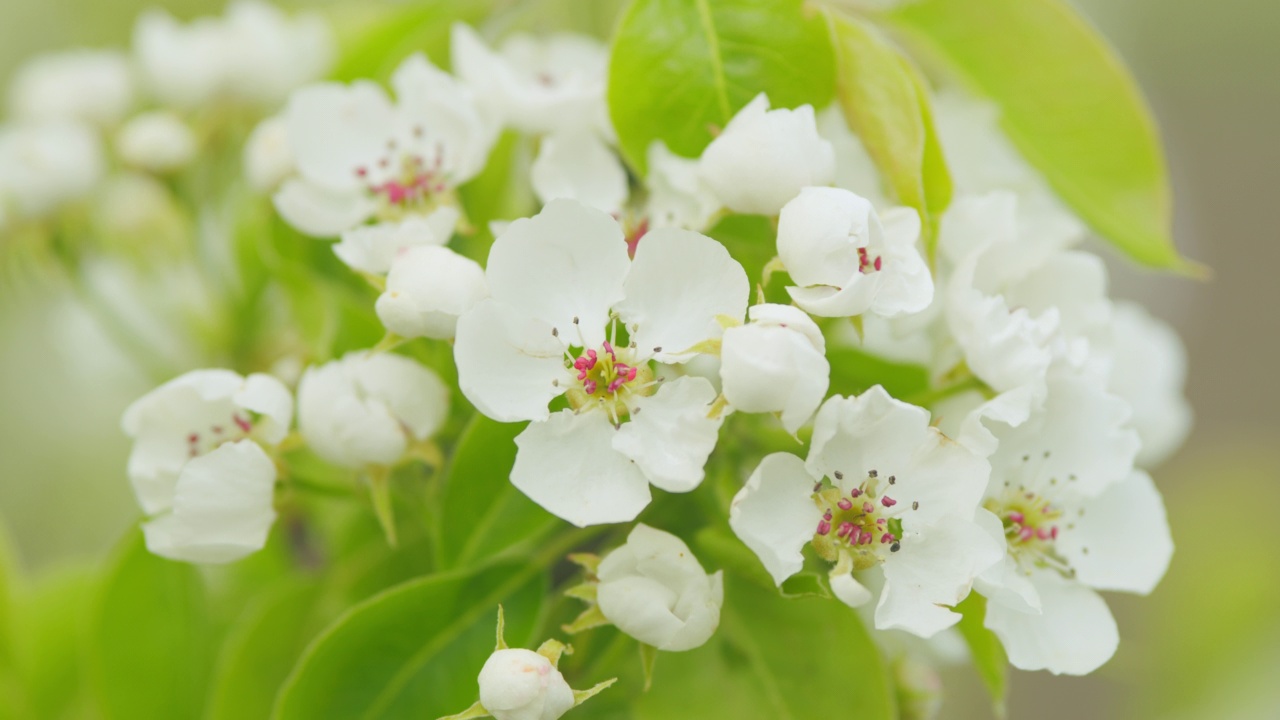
{"points": [[775, 363], [653, 589], [523, 685], [427, 289], [157, 141]]}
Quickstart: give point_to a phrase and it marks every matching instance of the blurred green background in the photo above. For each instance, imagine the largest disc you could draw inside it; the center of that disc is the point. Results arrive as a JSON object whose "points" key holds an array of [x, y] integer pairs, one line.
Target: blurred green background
{"points": [[1205, 645]]}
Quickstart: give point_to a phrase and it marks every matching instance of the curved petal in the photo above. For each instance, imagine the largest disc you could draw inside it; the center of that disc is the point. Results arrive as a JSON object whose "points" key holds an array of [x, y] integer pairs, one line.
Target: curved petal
{"points": [[416, 396], [439, 116], [567, 465], [772, 368], [427, 289], [318, 212], [373, 248], [679, 284], [577, 165], [848, 590], [335, 129], [1004, 582], [341, 425], [670, 436], [774, 514], [510, 366], [567, 262], [222, 507], [872, 431], [268, 397], [1122, 540], [1075, 633]]}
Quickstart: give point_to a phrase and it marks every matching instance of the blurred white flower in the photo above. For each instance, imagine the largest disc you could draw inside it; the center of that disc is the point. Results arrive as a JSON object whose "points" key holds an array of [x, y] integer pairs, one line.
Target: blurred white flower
{"points": [[197, 466], [365, 409], [577, 164], [775, 363], [159, 142], [557, 282], [763, 158], [427, 289], [182, 66], [91, 86], [653, 589], [45, 165], [268, 157], [848, 260], [373, 248], [1148, 368], [518, 684]]}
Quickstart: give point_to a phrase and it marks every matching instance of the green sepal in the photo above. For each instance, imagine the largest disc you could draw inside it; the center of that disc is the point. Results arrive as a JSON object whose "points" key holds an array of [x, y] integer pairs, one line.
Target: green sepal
{"points": [[585, 592], [553, 649], [587, 561], [380, 493], [648, 658], [475, 711], [581, 696], [590, 618]]}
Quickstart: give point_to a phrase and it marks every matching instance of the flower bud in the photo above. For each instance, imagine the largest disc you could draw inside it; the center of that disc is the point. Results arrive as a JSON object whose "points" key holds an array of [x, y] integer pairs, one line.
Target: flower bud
{"points": [[520, 684], [157, 141], [775, 363], [653, 589], [427, 289]]}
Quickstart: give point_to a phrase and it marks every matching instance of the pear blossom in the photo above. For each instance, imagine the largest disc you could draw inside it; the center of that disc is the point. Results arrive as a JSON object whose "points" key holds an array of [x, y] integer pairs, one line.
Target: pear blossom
{"points": [[775, 363], [883, 492], [562, 288], [90, 86], [763, 158], [1076, 518], [373, 248], [679, 195], [536, 85], [518, 684], [182, 66], [360, 156], [365, 409], [156, 141], [45, 165], [849, 260], [268, 157], [1148, 368], [427, 289], [198, 467], [578, 164], [653, 589]]}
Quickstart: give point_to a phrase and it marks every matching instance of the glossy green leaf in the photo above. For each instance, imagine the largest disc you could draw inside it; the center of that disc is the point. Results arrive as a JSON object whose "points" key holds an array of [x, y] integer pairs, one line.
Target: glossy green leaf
{"points": [[1069, 105], [885, 101], [151, 623], [413, 651], [680, 69], [775, 658], [481, 512], [373, 40], [985, 649]]}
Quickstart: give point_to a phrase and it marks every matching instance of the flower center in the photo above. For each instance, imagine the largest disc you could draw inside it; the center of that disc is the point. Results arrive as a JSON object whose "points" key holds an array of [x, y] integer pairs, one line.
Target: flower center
{"points": [[239, 427], [868, 264], [1031, 526], [856, 523], [405, 182], [608, 379]]}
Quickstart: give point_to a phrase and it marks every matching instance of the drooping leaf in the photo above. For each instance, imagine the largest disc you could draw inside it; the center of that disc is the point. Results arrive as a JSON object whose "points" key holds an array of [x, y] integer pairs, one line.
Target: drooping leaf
{"points": [[680, 69], [481, 512], [151, 637], [774, 658], [414, 650], [886, 103], [1067, 102], [985, 649]]}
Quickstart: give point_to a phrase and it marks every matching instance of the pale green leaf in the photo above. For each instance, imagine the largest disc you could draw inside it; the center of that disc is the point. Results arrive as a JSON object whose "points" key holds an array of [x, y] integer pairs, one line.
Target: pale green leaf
{"points": [[374, 38], [984, 647], [50, 620], [1069, 105], [680, 69]]}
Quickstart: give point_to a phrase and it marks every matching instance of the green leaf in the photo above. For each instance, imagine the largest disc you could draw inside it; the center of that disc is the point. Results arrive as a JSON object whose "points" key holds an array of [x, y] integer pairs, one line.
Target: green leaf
{"points": [[481, 512], [985, 649], [774, 658], [50, 668], [414, 650], [1069, 105], [373, 40], [151, 637], [886, 103], [854, 371], [680, 69], [7, 571]]}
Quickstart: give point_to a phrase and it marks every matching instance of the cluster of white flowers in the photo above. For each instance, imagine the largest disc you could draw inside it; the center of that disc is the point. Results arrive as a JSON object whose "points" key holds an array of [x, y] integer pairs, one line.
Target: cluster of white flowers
{"points": [[625, 335]]}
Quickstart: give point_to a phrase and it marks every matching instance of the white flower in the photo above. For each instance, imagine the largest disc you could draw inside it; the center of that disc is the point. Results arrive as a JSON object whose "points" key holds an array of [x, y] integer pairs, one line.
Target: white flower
{"points": [[653, 589], [1076, 518], [365, 409], [373, 248], [775, 363], [270, 54], [91, 86], [183, 66], [764, 157], [535, 85], [575, 163], [558, 283], [679, 195], [1149, 369], [517, 684], [360, 156], [427, 289], [156, 141], [197, 466], [268, 158], [881, 489], [43, 166], [846, 261]]}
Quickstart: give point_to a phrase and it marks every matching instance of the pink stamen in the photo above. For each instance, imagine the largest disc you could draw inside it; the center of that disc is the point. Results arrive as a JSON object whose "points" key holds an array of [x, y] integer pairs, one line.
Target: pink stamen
{"points": [[242, 423], [609, 349], [855, 492], [1017, 518], [193, 438], [1053, 532], [886, 538], [1043, 533], [845, 504], [590, 386], [868, 508], [866, 539], [888, 501], [824, 527], [1026, 533], [845, 529]]}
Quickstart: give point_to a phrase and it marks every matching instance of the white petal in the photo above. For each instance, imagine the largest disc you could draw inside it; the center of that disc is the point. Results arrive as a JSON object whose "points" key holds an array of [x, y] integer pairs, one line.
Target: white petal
{"points": [[1004, 582], [567, 262], [318, 212], [428, 288], [336, 129], [907, 284], [577, 165], [415, 395], [1122, 541], [670, 436], [268, 156], [934, 570], [679, 284], [372, 248], [678, 195], [341, 425], [1074, 634], [1149, 369], [567, 465], [510, 366], [774, 514], [848, 590], [519, 684], [440, 117], [819, 234], [774, 368], [873, 431], [268, 397], [222, 507]]}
